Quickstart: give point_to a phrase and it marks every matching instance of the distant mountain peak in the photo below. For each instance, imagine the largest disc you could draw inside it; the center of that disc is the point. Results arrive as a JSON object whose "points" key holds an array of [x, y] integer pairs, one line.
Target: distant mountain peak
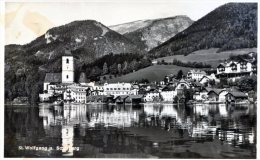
{"points": [[151, 33], [230, 26]]}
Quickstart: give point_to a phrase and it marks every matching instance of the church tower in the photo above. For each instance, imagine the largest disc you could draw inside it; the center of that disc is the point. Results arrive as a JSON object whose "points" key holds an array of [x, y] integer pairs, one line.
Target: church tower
{"points": [[67, 69]]}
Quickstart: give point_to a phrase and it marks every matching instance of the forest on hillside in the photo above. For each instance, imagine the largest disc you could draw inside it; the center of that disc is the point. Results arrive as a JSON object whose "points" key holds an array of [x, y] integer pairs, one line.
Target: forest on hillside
{"points": [[228, 27]]}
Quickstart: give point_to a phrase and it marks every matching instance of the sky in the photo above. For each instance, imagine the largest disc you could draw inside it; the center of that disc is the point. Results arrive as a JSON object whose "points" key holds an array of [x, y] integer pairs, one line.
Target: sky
{"points": [[26, 20]]}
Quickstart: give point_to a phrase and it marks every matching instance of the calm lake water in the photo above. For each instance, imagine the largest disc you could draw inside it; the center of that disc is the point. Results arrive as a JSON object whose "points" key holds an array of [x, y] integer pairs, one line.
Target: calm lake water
{"points": [[118, 131]]}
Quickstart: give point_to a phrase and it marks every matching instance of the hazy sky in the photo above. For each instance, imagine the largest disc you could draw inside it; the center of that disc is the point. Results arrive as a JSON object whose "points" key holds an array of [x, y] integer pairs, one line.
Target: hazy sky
{"points": [[24, 21]]}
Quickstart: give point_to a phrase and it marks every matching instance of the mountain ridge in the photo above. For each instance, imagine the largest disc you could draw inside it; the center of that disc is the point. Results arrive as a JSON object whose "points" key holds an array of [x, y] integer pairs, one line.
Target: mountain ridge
{"points": [[230, 26], [150, 33]]}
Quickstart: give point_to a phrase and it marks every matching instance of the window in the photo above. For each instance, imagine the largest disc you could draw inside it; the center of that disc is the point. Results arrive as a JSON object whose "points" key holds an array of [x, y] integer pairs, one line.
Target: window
{"points": [[118, 88], [67, 61], [67, 76]]}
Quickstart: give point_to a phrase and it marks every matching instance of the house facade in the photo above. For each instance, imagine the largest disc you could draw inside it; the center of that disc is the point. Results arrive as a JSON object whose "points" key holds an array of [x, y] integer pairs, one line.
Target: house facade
{"points": [[152, 95], [168, 95], [75, 93], [195, 74], [241, 66], [117, 89]]}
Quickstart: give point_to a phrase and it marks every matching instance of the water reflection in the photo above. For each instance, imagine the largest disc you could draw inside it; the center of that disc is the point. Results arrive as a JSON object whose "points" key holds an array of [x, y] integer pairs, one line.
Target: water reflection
{"points": [[126, 131]]}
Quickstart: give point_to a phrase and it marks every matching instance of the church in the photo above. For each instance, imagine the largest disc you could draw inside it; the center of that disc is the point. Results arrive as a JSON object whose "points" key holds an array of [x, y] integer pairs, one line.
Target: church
{"points": [[56, 83]]}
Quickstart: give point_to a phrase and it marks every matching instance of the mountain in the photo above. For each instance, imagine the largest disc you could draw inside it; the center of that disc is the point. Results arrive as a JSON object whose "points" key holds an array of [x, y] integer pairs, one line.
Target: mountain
{"points": [[151, 33], [87, 41], [130, 26], [230, 26]]}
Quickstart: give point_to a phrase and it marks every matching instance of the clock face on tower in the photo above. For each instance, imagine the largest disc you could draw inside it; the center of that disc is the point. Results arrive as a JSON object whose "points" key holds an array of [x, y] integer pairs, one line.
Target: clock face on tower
{"points": [[67, 69]]}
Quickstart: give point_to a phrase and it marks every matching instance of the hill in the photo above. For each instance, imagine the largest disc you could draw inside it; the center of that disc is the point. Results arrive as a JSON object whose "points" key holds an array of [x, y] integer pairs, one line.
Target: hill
{"points": [[228, 27], [208, 56], [151, 33], [86, 39], [152, 73]]}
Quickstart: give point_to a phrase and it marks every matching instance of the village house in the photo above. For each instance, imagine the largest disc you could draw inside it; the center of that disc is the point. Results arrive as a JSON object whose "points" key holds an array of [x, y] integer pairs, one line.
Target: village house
{"points": [[236, 68], [168, 93], [75, 93], [117, 89], [207, 78], [181, 85], [213, 94], [152, 95], [97, 90], [236, 96], [200, 95], [154, 62], [195, 74]]}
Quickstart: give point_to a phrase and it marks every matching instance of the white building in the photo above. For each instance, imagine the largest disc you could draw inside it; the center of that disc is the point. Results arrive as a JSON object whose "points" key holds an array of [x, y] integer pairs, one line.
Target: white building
{"points": [[201, 95], [152, 95], [195, 74], [67, 69], [168, 95], [206, 79], [76, 93], [182, 84], [97, 90], [117, 89], [236, 67], [222, 95]]}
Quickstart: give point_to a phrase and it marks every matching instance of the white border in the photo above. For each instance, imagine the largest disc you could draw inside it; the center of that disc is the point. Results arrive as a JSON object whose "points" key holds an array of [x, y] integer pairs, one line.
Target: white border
{"points": [[2, 38]]}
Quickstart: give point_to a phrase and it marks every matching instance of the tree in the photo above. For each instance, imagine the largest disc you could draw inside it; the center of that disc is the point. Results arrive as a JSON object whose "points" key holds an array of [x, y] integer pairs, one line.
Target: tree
{"points": [[144, 63], [95, 72], [133, 65], [163, 61], [34, 96], [212, 82], [105, 68], [119, 68], [188, 93], [248, 83], [113, 68], [166, 79], [125, 67], [179, 74]]}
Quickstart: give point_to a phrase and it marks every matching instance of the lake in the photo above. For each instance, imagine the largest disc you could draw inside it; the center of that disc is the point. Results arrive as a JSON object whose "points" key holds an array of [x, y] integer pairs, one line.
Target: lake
{"points": [[131, 131]]}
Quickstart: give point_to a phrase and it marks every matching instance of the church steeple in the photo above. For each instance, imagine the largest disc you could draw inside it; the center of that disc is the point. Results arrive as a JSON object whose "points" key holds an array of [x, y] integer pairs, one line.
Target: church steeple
{"points": [[67, 69]]}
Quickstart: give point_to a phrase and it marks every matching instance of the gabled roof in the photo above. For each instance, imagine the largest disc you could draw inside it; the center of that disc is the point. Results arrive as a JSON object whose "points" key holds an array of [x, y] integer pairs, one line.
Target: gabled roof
{"points": [[153, 90], [221, 65], [204, 77], [168, 88], [52, 78], [198, 84], [197, 71], [215, 90], [238, 94]]}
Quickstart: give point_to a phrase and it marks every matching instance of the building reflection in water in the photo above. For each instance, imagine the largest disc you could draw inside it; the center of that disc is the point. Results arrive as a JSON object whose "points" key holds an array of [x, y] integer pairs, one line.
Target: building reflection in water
{"points": [[200, 121], [226, 123], [67, 135]]}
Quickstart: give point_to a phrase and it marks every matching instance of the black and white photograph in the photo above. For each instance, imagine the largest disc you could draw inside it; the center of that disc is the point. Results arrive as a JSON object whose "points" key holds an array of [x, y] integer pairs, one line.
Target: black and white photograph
{"points": [[130, 79]]}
